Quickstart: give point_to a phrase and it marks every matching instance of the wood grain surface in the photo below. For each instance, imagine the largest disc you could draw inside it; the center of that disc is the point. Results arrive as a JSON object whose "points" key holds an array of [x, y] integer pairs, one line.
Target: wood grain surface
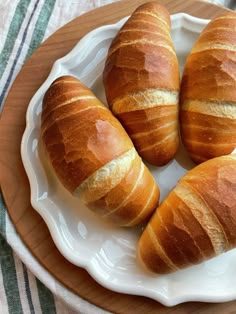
{"points": [[14, 183]]}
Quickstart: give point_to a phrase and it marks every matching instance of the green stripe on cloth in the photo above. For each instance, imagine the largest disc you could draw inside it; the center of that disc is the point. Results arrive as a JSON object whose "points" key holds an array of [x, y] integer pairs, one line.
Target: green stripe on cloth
{"points": [[17, 20], [10, 278], [3, 298], [41, 25], [46, 299], [27, 289], [8, 266], [2, 216]]}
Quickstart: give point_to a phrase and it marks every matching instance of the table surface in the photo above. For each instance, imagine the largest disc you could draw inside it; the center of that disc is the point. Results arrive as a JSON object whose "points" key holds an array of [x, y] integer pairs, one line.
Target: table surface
{"points": [[14, 183]]}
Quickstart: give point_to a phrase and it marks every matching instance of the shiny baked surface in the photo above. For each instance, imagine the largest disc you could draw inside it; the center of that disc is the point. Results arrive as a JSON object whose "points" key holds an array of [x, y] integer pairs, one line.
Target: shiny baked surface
{"points": [[109, 253]]}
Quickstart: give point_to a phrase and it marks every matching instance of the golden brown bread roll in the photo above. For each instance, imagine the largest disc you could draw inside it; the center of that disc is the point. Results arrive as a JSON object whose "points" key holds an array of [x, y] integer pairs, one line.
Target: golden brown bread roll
{"points": [[93, 156], [208, 92], [196, 221], [141, 80]]}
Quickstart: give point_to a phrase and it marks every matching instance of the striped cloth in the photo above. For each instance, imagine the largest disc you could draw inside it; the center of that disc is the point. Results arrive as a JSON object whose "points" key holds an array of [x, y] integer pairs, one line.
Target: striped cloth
{"points": [[24, 24]]}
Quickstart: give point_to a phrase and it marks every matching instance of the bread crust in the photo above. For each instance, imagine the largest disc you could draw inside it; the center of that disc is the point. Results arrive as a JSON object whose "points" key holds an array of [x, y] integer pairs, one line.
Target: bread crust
{"points": [[93, 156], [141, 75], [196, 221], [208, 92]]}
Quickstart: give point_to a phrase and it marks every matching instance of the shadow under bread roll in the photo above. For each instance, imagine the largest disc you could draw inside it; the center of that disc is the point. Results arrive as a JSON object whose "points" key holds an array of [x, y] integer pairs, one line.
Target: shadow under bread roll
{"points": [[93, 156]]}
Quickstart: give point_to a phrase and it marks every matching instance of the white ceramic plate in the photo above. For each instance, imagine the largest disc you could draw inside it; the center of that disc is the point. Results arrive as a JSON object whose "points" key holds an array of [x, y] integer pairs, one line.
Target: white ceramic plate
{"points": [[108, 253]]}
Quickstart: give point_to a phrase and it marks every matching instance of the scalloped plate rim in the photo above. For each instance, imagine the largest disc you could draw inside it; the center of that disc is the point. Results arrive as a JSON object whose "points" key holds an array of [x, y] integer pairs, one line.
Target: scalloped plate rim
{"points": [[166, 300]]}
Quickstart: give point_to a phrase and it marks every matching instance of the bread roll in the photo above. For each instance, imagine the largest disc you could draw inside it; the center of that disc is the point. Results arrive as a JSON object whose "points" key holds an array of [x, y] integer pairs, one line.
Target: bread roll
{"points": [[196, 221], [93, 156], [208, 92], [141, 80]]}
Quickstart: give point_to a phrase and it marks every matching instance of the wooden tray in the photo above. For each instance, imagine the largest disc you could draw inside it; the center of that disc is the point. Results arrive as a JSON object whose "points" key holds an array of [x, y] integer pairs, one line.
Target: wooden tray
{"points": [[14, 183]]}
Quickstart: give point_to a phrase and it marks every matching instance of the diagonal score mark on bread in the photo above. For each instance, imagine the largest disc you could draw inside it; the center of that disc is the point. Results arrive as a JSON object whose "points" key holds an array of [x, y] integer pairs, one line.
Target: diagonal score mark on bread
{"points": [[141, 41], [214, 46], [184, 257], [159, 249], [145, 99], [106, 178], [220, 29], [159, 127], [144, 23], [124, 201], [64, 81], [204, 215], [144, 33], [148, 31], [187, 230], [152, 14], [168, 137], [202, 159], [47, 126], [132, 222], [225, 17], [224, 109], [207, 145], [69, 101], [77, 98]]}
